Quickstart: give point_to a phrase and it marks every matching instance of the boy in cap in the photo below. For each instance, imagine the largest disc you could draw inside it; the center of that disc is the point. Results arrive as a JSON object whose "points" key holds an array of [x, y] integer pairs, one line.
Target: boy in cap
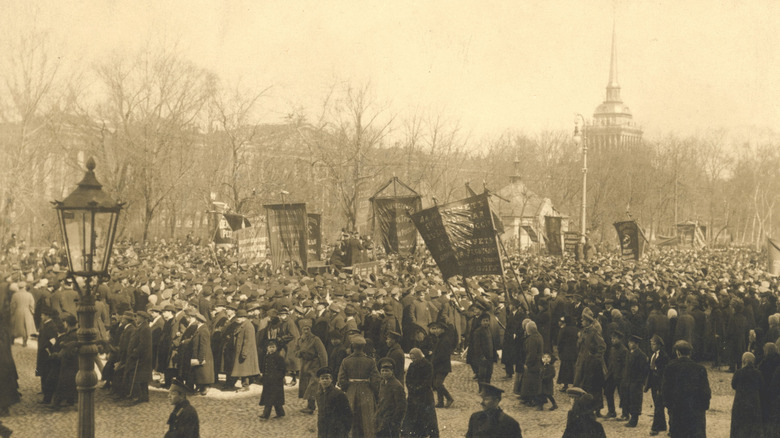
{"points": [[634, 377], [334, 416], [183, 421], [391, 403], [581, 419], [491, 421], [274, 369]]}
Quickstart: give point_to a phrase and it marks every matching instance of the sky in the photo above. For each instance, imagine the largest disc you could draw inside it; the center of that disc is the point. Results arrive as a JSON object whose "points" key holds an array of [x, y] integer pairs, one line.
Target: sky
{"points": [[684, 66]]}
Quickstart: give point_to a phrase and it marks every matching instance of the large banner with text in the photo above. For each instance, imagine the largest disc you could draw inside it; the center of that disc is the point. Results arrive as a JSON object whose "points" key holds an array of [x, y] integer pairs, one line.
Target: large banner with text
{"points": [[287, 230], [632, 241], [461, 237], [396, 230]]}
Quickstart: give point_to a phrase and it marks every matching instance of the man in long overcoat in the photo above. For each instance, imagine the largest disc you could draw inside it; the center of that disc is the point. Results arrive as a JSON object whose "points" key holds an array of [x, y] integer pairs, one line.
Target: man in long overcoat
{"points": [[22, 313], [359, 379], [686, 391], [391, 403], [482, 350], [420, 419], [140, 359], [202, 359], [245, 362], [393, 341], [658, 361], [590, 367], [312, 355], [444, 343]]}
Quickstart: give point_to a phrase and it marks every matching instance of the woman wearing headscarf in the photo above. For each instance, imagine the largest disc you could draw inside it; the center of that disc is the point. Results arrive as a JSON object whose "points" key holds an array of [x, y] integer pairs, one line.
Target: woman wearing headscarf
{"points": [[746, 418]]}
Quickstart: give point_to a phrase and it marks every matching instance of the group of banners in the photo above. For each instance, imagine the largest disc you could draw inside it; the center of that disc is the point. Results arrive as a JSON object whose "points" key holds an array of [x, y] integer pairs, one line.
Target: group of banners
{"points": [[286, 233]]}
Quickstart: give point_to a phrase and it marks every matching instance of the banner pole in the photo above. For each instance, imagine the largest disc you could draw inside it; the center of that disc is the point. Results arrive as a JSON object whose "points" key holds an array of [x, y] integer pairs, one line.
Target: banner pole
{"points": [[517, 278]]}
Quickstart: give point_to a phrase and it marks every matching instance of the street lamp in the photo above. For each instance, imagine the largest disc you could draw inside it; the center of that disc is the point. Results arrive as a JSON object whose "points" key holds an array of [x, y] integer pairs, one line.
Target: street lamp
{"points": [[88, 218], [579, 139]]}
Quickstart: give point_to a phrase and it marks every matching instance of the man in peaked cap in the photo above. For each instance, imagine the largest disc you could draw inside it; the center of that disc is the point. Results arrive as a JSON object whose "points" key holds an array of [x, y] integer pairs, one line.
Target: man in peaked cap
{"points": [[334, 414], [491, 421], [391, 403], [183, 421], [634, 378], [395, 353], [359, 378]]}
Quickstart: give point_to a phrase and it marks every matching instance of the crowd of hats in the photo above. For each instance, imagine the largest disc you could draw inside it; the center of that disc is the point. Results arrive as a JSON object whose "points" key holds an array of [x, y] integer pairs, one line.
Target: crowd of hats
{"points": [[175, 274]]}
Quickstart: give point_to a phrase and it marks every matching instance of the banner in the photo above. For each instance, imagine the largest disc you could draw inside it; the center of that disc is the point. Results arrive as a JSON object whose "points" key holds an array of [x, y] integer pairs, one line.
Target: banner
{"points": [[773, 257], [252, 243], [469, 223], [396, 230], [632, 241], [227, 225], [570, 241], [552, 229], [690, 235], [287, 226], [431, 227], [461, 237], [314, 236]]}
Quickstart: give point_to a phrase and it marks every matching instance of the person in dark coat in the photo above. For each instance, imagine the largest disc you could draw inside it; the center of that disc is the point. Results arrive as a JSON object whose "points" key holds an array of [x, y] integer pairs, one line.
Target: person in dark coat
{"points": [[359, 379], [532, 369], [334, 415], [634, 378], [590, 368], [420, 419], [658, 361], [396, 353], [245, 363], [616, 363], [140, 359], [202, 360], [482, 349], [767, 367], [391, 403], [512, 342], [547, 376], [491, 421], [164, 347], [746, 418], [567, 351], [274, 368], [9, 378], [66, 350], [737, 331], [686, 392], [183, 421], [441, 359], [43, 363], [581, 419]]}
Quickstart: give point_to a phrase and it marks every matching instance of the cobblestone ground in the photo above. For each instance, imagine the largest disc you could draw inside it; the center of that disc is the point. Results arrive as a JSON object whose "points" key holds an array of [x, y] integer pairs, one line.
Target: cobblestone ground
{"points": [[228, 414]]}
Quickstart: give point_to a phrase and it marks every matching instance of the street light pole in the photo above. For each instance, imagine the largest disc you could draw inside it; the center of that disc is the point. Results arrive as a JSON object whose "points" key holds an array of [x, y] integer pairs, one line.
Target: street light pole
{"points": [[579, 138], [88, 220]]}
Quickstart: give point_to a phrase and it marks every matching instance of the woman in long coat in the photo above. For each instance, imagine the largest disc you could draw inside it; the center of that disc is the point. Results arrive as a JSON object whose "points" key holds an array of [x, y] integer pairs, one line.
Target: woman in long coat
{"points": [[22, 313], [746, 419], [420, 419], [532, 370]]}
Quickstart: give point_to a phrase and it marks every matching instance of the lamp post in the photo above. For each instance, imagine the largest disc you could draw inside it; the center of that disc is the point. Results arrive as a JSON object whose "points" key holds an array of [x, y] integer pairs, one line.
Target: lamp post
{"points": [[579, 139], [88, 218]]}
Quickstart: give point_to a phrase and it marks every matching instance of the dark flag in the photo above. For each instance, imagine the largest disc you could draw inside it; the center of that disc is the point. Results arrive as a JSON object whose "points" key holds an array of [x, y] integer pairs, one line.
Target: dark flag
{"points": [[396, 230], [552, 228], [287, 229], [431, 227], [461, 237], [632, 241], [469, 224], [229, 224], [314, 236], [773, 257]]}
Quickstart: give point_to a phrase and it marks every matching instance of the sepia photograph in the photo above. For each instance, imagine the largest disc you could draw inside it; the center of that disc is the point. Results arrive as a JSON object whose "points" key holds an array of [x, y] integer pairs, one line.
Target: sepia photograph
{"points": [[360, 219]]}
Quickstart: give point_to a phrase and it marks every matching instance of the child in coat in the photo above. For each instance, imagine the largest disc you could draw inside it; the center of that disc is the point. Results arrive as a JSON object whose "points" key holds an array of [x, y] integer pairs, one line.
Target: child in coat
{"points": [[274, 369], [548, 375]]}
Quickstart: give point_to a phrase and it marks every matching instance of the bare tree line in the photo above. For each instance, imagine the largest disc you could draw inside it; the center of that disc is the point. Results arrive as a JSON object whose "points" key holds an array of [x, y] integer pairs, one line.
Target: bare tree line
{"points": [[168, 135]]}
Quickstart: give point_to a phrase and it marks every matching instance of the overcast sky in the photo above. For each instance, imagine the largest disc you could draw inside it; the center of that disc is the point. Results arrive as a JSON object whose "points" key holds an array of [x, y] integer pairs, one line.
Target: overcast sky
{"points": [[684, 66]]}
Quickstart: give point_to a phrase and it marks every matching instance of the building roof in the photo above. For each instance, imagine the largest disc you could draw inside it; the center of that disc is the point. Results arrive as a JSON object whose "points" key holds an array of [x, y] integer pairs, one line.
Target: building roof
{"points": [[523, 202]]}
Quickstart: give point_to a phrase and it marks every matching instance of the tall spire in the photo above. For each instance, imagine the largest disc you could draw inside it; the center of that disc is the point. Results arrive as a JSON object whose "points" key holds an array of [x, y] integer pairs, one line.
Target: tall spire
{"points": [[613, 88]]}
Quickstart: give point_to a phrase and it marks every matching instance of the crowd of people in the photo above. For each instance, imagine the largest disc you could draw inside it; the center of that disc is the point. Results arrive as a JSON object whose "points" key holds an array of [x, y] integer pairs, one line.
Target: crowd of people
{"points": [[188, 318]]}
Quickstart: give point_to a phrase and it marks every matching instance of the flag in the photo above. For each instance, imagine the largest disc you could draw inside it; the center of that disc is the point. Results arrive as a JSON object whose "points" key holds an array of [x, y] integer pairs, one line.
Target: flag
{"points": [[773, 257], [552, 229], [287, 229], [631, 239], [461, 237], [396, 230]]}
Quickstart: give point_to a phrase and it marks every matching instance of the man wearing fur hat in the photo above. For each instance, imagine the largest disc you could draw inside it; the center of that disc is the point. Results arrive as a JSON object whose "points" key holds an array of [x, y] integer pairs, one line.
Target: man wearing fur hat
{"points": [[312, 355], [590, 367]]}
